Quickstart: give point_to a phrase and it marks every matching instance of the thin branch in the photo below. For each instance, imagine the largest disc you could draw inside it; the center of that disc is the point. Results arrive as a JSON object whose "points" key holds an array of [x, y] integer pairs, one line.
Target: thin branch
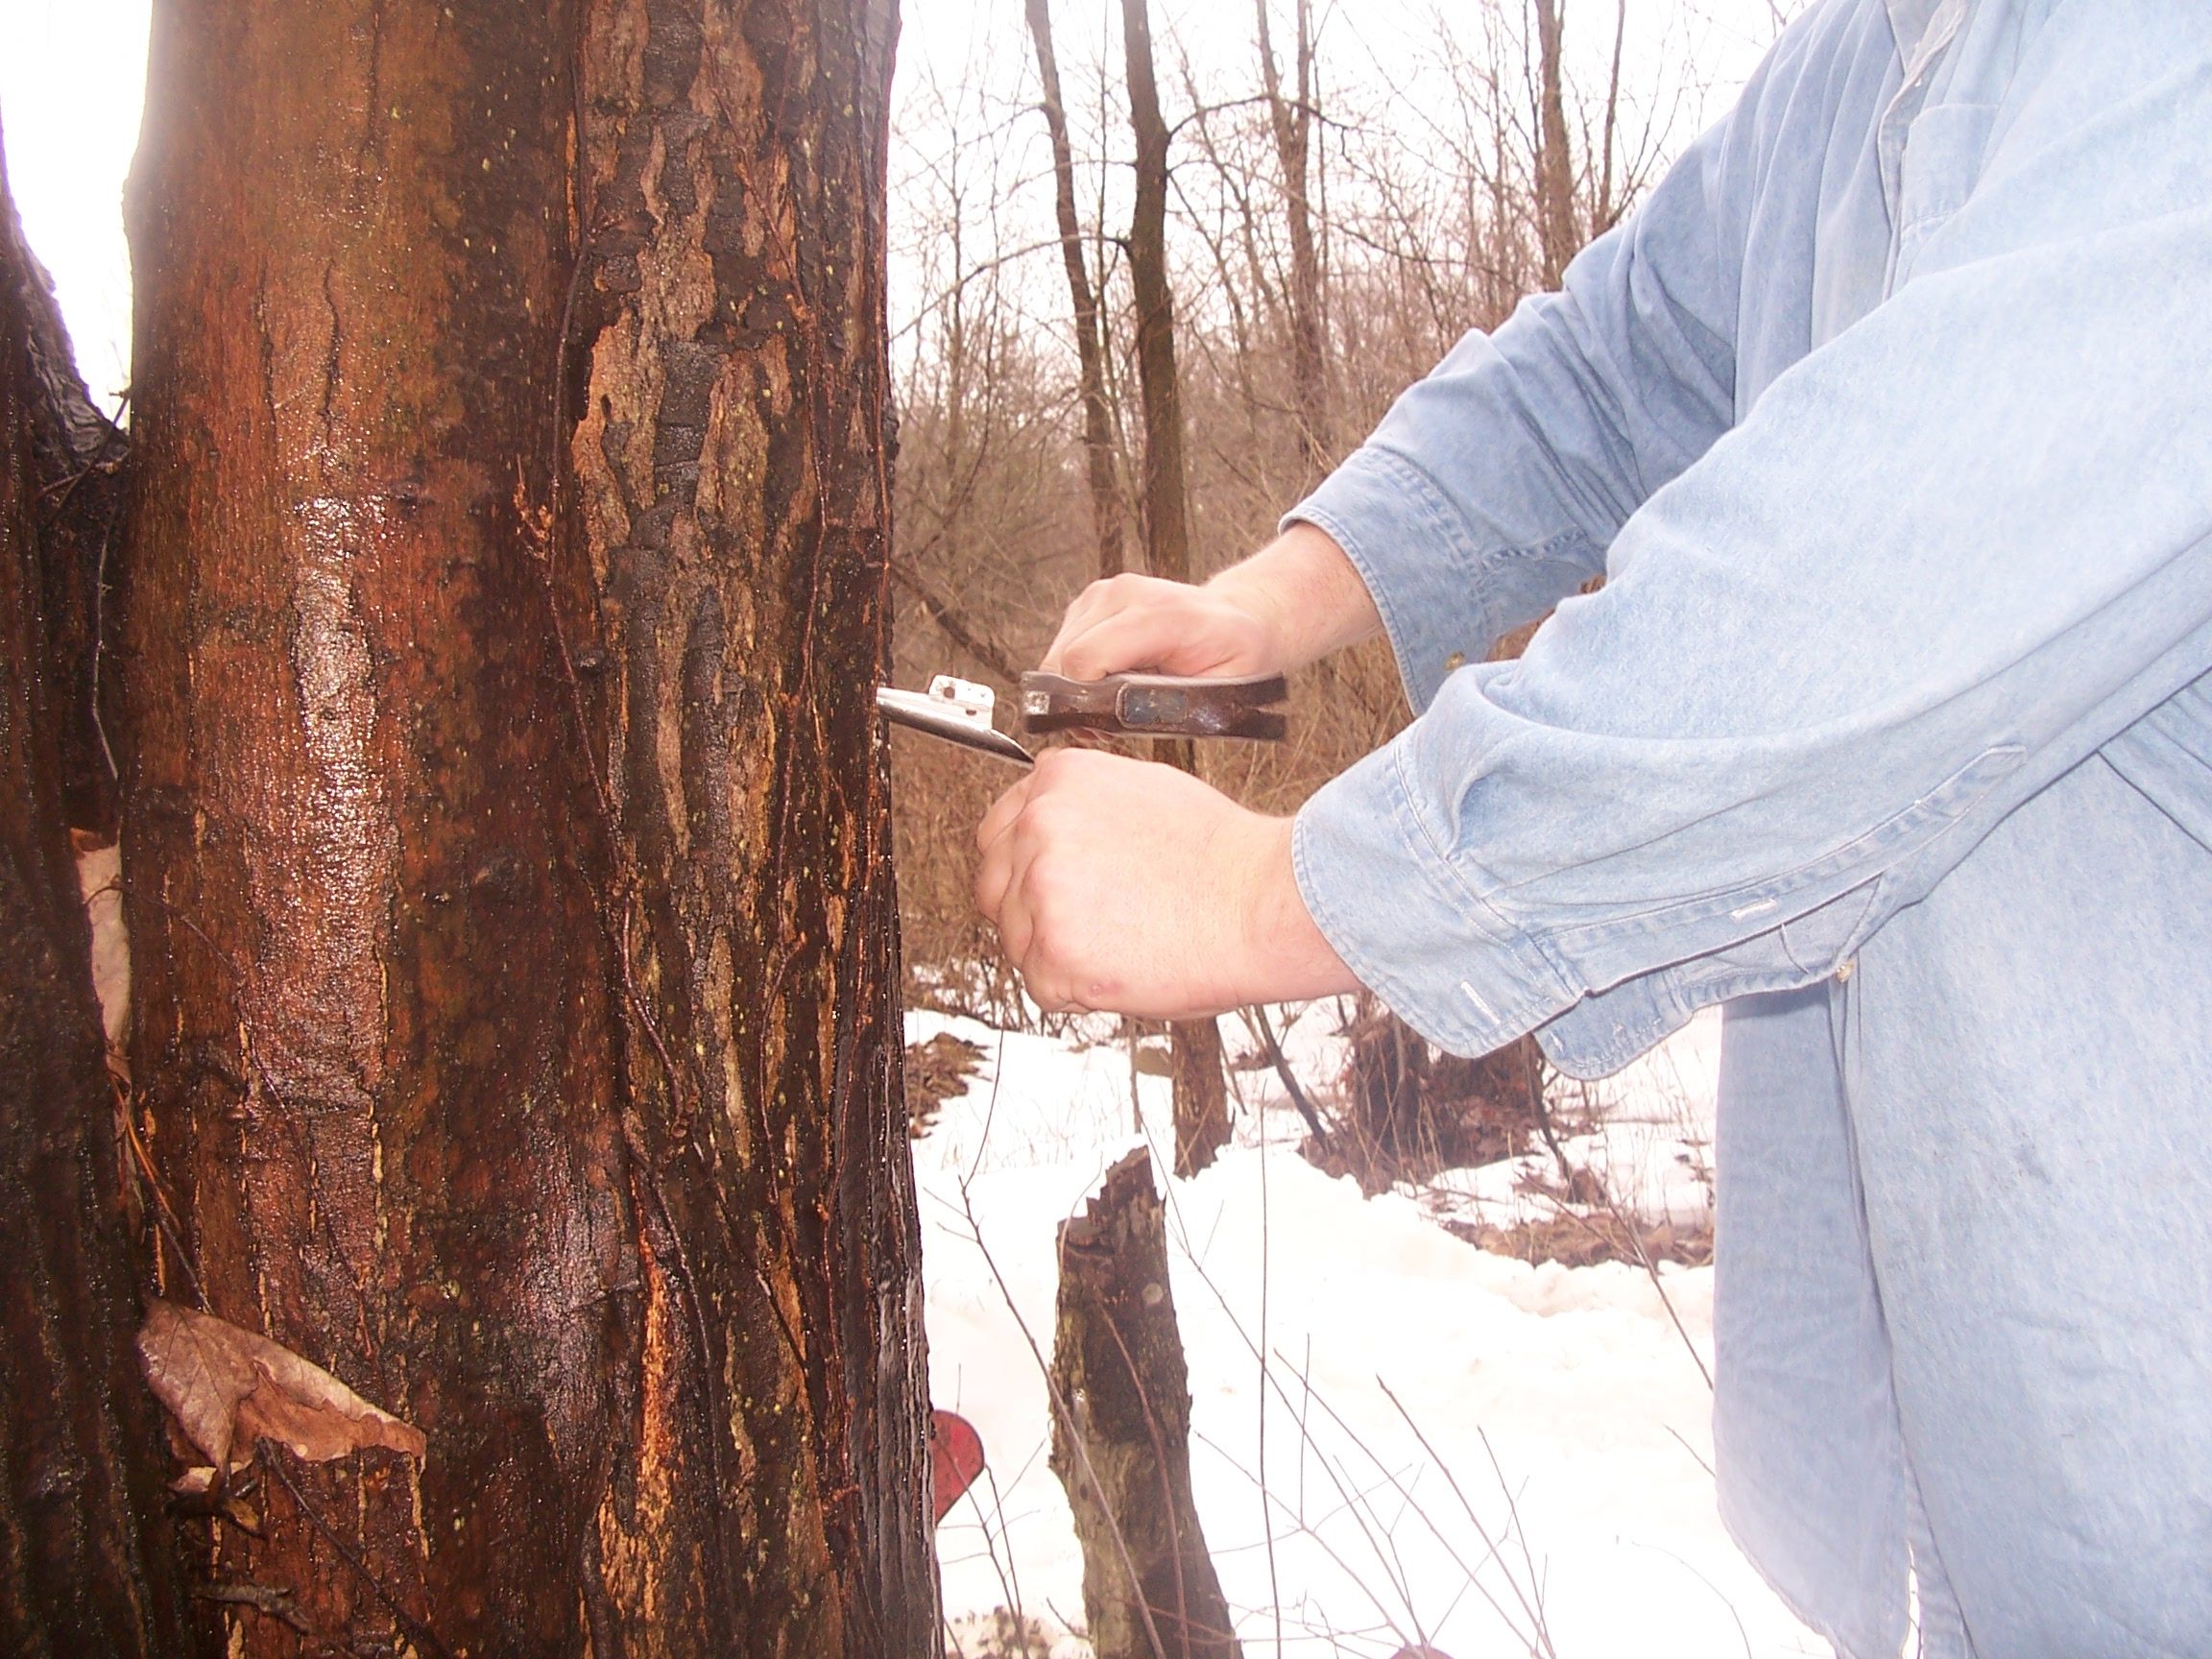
{"points": [[412, 1627], [955, 627], [1258, 1016]]}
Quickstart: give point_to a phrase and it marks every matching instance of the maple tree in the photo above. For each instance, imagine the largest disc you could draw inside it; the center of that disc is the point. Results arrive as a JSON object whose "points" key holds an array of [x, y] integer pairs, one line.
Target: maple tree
{"points": [[514, 1168]]}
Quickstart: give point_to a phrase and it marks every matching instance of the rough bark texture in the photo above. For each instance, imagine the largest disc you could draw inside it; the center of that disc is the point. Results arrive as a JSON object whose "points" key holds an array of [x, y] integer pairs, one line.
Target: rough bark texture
{"points": [[1200, 1089], [83, 1546], [734, 504], [504, 828], [1121, 1438], [1099, 469]]}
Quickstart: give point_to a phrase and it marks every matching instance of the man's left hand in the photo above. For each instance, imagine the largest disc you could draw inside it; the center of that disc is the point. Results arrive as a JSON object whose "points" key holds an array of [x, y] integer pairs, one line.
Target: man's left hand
{"points": [[1127, 887]]}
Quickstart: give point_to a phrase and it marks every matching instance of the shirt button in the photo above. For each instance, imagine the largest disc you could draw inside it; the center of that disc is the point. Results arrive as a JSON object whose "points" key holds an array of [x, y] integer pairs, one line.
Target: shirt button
{"points": [[1456, 662], [1845, 968]]}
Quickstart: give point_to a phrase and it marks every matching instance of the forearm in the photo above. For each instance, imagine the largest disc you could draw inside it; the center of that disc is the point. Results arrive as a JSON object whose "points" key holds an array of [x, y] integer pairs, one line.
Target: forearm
{"points": [[1494, 486], [1308, 590], [1955, 549]]}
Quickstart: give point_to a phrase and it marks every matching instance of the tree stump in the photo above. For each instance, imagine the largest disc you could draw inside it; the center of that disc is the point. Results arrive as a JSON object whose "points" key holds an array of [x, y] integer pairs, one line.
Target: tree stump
{"points": [[1121, 1433]]}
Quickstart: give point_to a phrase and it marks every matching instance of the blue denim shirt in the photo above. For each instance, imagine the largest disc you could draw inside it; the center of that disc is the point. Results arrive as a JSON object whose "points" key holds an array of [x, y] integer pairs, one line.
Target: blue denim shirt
{"points": [[1889, 419]]}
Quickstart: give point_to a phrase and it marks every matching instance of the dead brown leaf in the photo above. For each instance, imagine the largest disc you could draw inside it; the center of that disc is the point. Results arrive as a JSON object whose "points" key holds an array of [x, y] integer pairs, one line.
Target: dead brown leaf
{"points": [[936, 1071], [226, 1388]]}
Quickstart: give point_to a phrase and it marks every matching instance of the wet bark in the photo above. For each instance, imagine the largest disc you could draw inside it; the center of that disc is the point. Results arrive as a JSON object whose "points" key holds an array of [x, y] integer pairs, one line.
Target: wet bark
{"points": [[84, 1543], [1122, 1437], [1098, 450], [731, 501], [504, 823], [1200, 1089]]}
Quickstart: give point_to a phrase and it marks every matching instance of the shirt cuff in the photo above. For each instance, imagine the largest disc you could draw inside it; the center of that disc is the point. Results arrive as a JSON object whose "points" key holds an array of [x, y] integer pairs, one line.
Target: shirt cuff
{"points": [[1412, 550], [1406, 921]]}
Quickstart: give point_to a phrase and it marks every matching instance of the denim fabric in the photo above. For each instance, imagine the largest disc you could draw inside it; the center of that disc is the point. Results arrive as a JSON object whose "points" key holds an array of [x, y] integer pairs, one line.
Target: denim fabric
{"points": [[1889, 419]]}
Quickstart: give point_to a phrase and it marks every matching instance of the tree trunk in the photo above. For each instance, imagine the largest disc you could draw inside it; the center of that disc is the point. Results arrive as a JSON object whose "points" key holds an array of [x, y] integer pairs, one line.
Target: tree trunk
{"points": [[1556, 236], [1122, 1437], [504, 817], [85, 1550], [1605, 213], [733, 502], [1292, 123], [1090, 332], [1200, 1090]]}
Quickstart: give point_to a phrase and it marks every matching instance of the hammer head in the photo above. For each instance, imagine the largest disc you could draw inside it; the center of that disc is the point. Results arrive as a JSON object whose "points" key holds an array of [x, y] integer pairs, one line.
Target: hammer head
{"points": [[1155, 706]]}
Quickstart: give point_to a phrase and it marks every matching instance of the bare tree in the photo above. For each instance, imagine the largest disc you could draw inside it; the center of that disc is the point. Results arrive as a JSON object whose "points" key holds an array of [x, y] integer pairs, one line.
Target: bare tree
{"points": [[1292, 122], [1556, 228], [1098, 445], [1605, 209], [1200, 1090]]}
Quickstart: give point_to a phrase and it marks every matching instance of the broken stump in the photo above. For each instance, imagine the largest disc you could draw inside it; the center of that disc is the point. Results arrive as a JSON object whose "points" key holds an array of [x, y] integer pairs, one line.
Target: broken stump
{"points": [[1121, 1433]]}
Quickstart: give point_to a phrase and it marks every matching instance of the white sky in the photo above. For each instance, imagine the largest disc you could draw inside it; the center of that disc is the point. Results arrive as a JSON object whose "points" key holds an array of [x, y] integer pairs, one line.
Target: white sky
{"points": [[72, 74]]}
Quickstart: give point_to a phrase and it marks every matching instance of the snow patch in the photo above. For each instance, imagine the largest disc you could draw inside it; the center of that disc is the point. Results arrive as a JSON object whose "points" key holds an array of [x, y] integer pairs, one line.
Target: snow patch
{"points": [[1563, 1480]]}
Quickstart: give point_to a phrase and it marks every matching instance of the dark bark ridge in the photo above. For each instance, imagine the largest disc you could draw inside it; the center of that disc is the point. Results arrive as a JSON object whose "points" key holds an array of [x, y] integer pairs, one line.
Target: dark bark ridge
{"points": [[84, 1548], [732, 496]]}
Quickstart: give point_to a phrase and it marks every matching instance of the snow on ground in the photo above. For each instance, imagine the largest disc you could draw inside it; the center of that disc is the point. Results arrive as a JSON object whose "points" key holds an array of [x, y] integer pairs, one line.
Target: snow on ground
{"points": [[1565, 1419], [1651, 1142]]}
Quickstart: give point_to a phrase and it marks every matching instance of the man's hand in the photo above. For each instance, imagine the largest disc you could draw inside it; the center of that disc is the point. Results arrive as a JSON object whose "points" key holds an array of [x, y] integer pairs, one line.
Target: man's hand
{"points": [[1143, 622], [1123, 886], [1295, 600]]}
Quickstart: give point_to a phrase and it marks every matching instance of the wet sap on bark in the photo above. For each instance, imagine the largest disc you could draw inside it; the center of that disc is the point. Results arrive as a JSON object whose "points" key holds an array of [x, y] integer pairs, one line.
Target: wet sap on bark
{"points": [[505, 832]]}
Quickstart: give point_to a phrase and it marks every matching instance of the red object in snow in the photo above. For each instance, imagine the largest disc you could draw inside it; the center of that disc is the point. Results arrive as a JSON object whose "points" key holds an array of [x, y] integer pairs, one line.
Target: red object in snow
{"points": [[955, 1458]]}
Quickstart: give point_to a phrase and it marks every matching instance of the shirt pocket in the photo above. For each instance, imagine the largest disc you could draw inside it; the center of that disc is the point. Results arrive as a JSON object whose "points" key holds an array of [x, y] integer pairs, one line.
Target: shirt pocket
{"points": [[1945, 149]]}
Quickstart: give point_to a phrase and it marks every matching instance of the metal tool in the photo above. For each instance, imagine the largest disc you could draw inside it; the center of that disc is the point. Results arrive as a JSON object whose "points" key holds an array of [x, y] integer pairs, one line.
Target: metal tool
{"points": [[1123, 705], [958, 711], [1156, 706]]}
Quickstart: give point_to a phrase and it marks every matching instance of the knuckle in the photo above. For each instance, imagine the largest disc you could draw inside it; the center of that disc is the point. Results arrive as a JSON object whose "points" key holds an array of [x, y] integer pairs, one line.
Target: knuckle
{"points": [[1044, 889]]}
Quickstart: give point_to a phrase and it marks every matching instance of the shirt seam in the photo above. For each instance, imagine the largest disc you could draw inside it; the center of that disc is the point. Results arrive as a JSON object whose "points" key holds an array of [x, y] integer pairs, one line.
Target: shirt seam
{"points": [[1498, 930], [1948, 802]]}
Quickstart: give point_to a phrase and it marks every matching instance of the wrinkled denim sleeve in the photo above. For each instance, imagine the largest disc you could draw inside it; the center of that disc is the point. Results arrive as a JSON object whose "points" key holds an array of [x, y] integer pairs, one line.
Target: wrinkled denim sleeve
{"points": [[1945, 556], [1494, 485]]}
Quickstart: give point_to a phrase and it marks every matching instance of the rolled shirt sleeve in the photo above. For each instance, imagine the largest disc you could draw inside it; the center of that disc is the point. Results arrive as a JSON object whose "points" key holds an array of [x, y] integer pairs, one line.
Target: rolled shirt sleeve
{"points": [[1946, 556], [1570, 416]]}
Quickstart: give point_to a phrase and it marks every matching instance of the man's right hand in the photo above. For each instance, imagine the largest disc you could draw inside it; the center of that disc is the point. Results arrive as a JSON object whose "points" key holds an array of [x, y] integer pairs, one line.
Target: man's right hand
{"points": [[1294, 601]]}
